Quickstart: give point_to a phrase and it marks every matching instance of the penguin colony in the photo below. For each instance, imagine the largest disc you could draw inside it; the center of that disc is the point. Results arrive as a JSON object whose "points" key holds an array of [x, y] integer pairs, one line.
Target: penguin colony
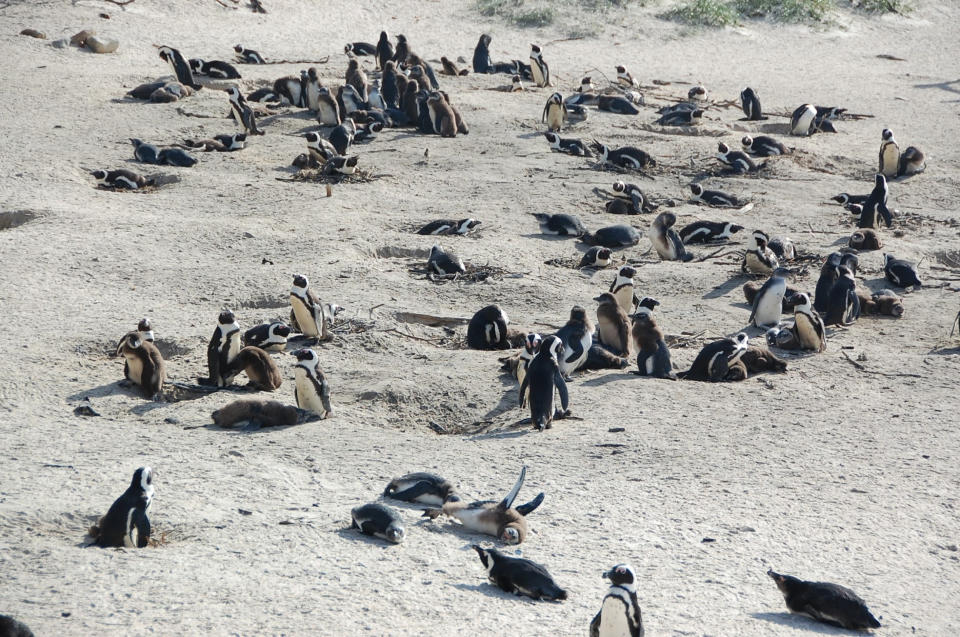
{"points": [[405, 92]]}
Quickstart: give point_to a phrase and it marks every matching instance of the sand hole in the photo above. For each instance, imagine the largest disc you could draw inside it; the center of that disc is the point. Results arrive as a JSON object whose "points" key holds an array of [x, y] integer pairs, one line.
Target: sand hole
{"points": [[401, 252], [265, 303], [14, 218]]}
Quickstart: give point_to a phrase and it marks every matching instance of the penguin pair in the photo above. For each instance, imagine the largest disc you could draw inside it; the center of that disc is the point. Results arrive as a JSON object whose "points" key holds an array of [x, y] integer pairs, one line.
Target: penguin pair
{"points": [[150, 154]]}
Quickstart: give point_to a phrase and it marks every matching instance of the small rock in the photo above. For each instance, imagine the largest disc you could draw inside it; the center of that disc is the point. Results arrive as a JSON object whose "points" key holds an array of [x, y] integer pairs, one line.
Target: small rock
{"points": [[247, 235], [62, 43], [616, 430], [101, 44], [707, 540], [170, 420], [244, 512], [33, 33], [105, 16], [80, 39]]}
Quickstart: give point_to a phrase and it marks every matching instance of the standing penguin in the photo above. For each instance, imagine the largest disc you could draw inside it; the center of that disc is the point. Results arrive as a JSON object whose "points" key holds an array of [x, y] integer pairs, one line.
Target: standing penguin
{"points": [[543, 375], [665, 239], [759, 258], [843, 305], [488, 329], [750, 104], [143, 364], [619, 614], [623, 288], [768, 302], [384, 51], [242, 111], [577, 337], [889, 155], [530, 346], [802, 120], [308, 312], [900, 272], [357, 78], [554, 113], [612, 326], [519, 576], [876, 203], [223, 348], [653, 356], [311, 391], [126, 523], [825, 602], [829, 273], [538, 67], [180, 66]]}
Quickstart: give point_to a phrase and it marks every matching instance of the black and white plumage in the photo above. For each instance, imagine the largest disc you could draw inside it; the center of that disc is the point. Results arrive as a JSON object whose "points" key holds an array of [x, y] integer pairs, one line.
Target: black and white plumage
{"points": [[539, 68], [519, 576], [750, 104], [759, 258], [307, 314], [425, 488], [739, 161], [444, 263], [341, 137], [360, 48], [543, 378], [713, 362], [595, 257], [623, 288], [554, 113], [215, 69], [567, 145], [619, 614], [714, 198], [802, 120], [223, 347], [632, 193], [825, 602], [320, 147], [265, 95], [242, 111], [875, 204], [488, 329], [624, 157], [616, 236], [179, 65], [577, 337], [624, 78], [665, 239], [900, 272], [176, 157], [120, 179], [271, 337], [126, 523], [220, 143], [681, 118], [845, 199], [144, 152], [248, 56], [708, 231], [653, 355], [763, 146], [560, 224], [768, 303], [889, 155], [843, 304], [449, 226], [328, 108], [379, 521], [616, 104], [829, 272], [341, 165], [311, 390]]}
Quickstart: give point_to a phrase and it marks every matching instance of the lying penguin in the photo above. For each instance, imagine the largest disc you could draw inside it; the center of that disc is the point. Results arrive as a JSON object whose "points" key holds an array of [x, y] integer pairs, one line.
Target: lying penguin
{"points": [[499, 519]]}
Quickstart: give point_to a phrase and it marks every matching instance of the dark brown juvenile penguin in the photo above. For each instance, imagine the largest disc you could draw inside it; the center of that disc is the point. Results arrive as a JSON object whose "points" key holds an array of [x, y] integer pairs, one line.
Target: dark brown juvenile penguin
{"points": [[265, 413], [825, 602], [461, 125], [441, 115], [259, 367], [410, 106], [144, 364], [865, 239], [449, 68], [612, 325], [653, 355], [760, 359], [357, 78]]}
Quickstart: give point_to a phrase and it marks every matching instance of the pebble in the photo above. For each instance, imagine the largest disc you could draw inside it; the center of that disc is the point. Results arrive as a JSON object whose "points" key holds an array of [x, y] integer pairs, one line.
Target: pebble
{"points": [[33, 33], [80, 39], [102, 44]]}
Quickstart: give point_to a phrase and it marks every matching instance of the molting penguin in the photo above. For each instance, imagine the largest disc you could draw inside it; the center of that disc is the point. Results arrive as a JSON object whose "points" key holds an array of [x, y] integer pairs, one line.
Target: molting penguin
{"points": [[900, 272], [499, 519], [445, 263], [379, 521], [223, 348], [577, 336], [126, 523], [271, 337], [567, 145], [257, 413], [145, 330], [623, 290], [616, 236], [612, 326], [750, 104], [554, 113], [542, 377], [519, 576], [808, 329], [713, 198], [802, 120], [763, 146], [426, 488], [768, 303], [889, 155], [759, 258], [619, 614], [595, 257], [143, 364], [825, 602], [488, 329], [311, 391], [739, 161], [258, 366], [708, 231], [563, 225], [665, 239], [653, 356], [308, 313], [714, 361], [538, 67]]}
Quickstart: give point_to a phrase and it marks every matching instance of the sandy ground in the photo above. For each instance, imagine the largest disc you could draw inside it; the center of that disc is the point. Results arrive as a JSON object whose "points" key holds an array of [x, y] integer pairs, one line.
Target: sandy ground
{"points": [[826, 472]]}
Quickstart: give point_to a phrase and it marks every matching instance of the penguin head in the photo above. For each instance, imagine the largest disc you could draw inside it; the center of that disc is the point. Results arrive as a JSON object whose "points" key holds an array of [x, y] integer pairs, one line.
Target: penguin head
{"points": [[300, 281], [665, 220], [511, 535], [551, 345], [603, 256], [401, 38], [850, 261], [747, 141], [99, 175], [696, 189], [226, 318], [467, 224], [535, 50], [845, 273], [515, 79], [697, 93], [697, 114], [621, 575], [887, 135], [747, 93], [800, 301], [627, 272], [842, 199], [786, 583], [306, 358], [648, 304], [733, 228], [130, 340], [723, 148], [436, 251], [578, 313], [485, 556], [741, 340], [312, 73], [606, 299], [880, 180], [279, 329], [166, 54], [196, 64], [238, 48], [396, 533], [532, 342], [887, 258], [143, 482], [619, 186], [144, 325], [760, 239], [233, 92]]}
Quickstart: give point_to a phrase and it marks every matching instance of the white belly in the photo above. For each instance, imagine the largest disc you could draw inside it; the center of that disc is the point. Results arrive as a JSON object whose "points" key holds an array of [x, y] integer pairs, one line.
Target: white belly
{"points": [[554, 118], [535, 72], [890, 160], [135, 369], [768, 309], [305, 318], [609, 335], [806, 332], [307, 396], [613, 618], [585, 344], [804, 122], [328, 116], [313, 92], [624, 298], [479, 520]]}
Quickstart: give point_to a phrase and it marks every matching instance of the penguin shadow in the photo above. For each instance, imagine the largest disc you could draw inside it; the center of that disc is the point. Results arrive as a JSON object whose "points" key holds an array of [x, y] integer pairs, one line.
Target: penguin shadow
{"points": [[553, 237], [727, 287], [355, 535], [950, 86], [605, 379], [492, 591], [531, 135], [803, 623]]}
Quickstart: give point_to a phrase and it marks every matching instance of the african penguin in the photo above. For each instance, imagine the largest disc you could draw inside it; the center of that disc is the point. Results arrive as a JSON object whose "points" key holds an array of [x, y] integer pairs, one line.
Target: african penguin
{"points": [[624, 157], [519, 576], [214, 68], [595, 257], [615, 236], [560, 224], [488, 329], [271, 337], [708, 231], [763, 146], [308, 312], [120, 179], [713, 362], [889, 155], [126, 523], [445, 263], [825, 602], [750, 104], [759, 258], [843, 305], [379, 521], [543, 375], [554, 113], [612, 327], [623, 289], [653, 355], [665, 239], [143, 364], [260, 369], [311, 391], [713, 198], [449, 226], [912, 161], [248, 56], [567, 145], [426, 488], [808, 328], [739, 161], [768, 303], [802, 120], [242, 112], [577, 336], [223, 348], [538, 67], [619, 614], [179, 65], [900, 272]]}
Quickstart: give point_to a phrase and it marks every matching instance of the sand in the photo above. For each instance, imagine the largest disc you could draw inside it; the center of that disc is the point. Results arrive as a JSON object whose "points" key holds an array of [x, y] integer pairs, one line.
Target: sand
{"points": [[828, 472]]}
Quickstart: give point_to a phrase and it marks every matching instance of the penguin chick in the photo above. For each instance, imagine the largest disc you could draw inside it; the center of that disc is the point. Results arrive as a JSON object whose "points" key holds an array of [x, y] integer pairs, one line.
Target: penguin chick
{"points": [[262, 413]]}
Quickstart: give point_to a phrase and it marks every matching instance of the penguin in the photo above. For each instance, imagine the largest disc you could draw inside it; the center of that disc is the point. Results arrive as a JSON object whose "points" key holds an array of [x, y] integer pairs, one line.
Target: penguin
{"points": [[379, 521], [143, 152], [554, 113], [763, 146], [481, 55], [457, 118], [356, 78], [415, 60], [900, 272], [624, 157], [488, 329], [176, 157], [443, 121], [450, 68], [623, 289], [783, 249], [612, 327], [311, 90], [739, 161], [681, 118], [220, 143], [563, 225], [445, 263], [713, 362], [876, 203], [215, 69], [912, 162], [624, 78], [389, 89], [449, 226], [223, 348], [677, 108], [143, 364], [713, 198], [179, 65], [538, 67], [577, 336], [384, 51], [808, 328], [516, 84], [265, 95], [145, 330], [586, 85], [829, 273], [759, 259], [341, 165], [708, 231], [374, 97], [750, 104], [889, 155], [825, 602], [619, 614], [126, 523], [616, 236], [120, 179], [621, 207], [328, 110], [256, 413], [616, 104], [633, 194], [884, 302], [531, 343], [519, 576], [290, 90], [768, 302], [665, 239], [542, 376], [349, 100], [10, 627], [359, 48], [311, 391], [752, 288], [425, 488], [309, 314], [843, 306], [846, 199], [248, 56], [698, 93], [595, 257], [865, 239], [829, 113], [342, 136], [242, 111], [258, 366], [850, 260], [319, 147], [500, 519], [802, 120], [569, 145], [582, 98], [653, 355]]}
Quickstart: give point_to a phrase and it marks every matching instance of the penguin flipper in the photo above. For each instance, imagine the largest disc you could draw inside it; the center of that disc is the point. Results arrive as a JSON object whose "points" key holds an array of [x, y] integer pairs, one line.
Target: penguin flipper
{"points": [[507, 502], [523, 390], [142, 524], [595, 625], [531, 506], [562, 390], [885, 212], [411, 493]]}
